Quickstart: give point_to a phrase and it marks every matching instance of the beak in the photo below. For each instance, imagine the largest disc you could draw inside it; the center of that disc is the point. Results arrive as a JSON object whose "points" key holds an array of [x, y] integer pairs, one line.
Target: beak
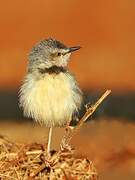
{"points": [[72, 49]]}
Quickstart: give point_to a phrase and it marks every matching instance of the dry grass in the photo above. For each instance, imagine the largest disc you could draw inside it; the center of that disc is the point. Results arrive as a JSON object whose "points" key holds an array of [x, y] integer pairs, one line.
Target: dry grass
{"points": [[109, 143], [18, 161]]}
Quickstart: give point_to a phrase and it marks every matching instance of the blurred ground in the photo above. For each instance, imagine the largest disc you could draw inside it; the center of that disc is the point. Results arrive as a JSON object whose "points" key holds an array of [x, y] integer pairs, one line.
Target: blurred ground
{"points": [[107, 142]]}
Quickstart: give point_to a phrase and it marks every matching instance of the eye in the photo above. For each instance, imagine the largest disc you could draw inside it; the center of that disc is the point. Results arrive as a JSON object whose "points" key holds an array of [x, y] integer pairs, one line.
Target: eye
{"points": [[58, 54]]}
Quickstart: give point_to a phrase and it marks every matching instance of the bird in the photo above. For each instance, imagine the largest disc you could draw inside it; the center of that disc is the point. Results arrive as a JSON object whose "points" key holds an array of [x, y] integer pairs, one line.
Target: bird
{"points": [[50, 93]]}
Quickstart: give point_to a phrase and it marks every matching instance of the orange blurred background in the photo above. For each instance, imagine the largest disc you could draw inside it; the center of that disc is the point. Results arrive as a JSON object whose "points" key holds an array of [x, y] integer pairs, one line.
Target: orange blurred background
{"points": [[105, 30]]}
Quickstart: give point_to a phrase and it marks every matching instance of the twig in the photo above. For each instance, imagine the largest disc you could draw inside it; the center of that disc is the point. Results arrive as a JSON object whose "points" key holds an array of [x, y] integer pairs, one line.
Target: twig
{"points": [[70, 131], [27, 153], [37, 171]]}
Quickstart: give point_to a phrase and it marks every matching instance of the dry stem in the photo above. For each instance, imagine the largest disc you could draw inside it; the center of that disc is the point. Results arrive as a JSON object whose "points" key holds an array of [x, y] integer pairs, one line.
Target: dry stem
{"points": [[70, 131]]}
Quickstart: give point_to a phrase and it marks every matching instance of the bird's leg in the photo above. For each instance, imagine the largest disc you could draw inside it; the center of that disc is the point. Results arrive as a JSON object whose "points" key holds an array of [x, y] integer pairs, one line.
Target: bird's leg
{"points": [[49, 141]]}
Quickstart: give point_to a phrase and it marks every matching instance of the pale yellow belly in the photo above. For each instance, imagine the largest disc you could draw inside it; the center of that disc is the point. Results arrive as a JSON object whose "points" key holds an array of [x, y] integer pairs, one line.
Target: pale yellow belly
{"points": [[51, 100]]}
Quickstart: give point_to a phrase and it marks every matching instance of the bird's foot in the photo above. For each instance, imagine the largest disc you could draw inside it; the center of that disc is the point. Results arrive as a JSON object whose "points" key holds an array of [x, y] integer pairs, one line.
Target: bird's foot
{"points": [[64, 146], [88, 106]]}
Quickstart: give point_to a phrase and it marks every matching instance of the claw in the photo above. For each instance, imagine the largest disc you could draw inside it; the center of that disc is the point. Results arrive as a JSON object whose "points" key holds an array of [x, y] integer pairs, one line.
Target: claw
{"points": [[87, 106]]}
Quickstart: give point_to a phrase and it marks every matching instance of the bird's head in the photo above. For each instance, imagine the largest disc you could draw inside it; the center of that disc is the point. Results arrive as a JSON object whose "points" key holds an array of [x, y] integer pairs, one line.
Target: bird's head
{"points": [[50, 52]]}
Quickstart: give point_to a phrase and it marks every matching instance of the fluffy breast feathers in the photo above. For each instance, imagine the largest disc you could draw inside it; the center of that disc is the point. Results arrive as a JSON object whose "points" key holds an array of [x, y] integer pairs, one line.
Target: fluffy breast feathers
{"points": [[52, 99]]}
